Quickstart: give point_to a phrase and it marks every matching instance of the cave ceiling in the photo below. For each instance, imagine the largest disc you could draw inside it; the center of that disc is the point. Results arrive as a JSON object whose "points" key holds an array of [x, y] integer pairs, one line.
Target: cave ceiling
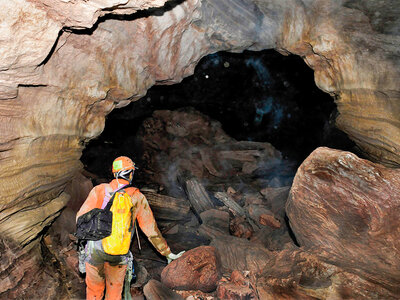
{"points": [[66, 64]]}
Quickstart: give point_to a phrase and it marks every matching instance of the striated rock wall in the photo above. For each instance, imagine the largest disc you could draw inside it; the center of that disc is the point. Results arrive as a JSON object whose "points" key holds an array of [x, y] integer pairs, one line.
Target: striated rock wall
{"points": [[61, 73], [345, 210]]}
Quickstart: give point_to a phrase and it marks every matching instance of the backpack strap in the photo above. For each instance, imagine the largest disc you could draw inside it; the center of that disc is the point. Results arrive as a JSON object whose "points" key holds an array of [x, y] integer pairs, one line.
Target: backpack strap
{"points": [[110, 202]]}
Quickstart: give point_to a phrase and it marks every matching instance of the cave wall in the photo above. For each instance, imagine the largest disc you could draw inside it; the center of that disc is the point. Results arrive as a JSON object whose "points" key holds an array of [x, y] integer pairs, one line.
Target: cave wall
{"points": [[61, 73]]}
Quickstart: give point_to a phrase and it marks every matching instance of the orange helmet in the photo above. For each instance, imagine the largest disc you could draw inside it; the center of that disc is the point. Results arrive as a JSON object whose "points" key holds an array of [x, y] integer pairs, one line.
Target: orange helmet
{"points": [[122, 166]]}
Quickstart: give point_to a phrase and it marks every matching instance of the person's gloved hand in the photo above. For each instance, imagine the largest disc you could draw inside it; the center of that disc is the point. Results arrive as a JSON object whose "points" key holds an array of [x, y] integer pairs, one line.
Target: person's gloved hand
{"points": [[171, 256]]}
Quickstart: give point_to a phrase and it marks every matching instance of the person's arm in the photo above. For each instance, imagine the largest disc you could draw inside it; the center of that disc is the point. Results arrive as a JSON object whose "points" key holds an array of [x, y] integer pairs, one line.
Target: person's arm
{"points": [[90, 202], [149, 226]]}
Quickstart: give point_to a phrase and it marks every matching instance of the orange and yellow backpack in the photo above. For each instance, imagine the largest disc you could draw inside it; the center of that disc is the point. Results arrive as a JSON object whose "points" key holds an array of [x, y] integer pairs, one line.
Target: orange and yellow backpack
{"points": [[119, 241]]}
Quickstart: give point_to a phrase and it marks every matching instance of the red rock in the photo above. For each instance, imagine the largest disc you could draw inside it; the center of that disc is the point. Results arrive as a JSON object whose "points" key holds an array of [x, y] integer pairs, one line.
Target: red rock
{"points": [[238, 287], [197, 269], [269, 220], [72, 262], [239, 227], [238, 278], [346, 210], [232, 291]]}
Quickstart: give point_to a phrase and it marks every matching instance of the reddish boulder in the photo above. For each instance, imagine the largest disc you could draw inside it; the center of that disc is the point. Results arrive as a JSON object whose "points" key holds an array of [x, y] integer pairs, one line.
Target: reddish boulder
{"points": [[197, 269], [346, 210]]}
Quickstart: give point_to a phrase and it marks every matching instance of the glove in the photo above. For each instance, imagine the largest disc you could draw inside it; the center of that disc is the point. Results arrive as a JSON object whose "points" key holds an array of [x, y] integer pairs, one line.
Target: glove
{"points": [[171, 256]]}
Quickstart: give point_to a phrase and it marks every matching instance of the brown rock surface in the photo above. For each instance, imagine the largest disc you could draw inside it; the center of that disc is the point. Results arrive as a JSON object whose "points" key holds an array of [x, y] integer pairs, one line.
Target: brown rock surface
{"points": [[209, 153], [23, 275], [295, 274], [79, 188], [268, 219], [217, 219], [238, 287], [240, 254], [230, 291], [345, 210], [155, 290], [50, 107], [197, 269]]}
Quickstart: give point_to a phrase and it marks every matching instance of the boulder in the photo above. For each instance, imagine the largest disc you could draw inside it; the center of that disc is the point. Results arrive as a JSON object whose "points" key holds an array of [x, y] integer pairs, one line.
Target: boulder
{"points": [[273, 239], [276, 199], [263, 216], [217, 219], [346, 211], [240, 254], [155, 290], [197, 269], [297, 274]]}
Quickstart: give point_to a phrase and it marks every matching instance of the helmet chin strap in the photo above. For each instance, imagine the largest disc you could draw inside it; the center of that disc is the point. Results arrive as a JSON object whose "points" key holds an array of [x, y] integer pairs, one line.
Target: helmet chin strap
{"points": [[123, 176]]}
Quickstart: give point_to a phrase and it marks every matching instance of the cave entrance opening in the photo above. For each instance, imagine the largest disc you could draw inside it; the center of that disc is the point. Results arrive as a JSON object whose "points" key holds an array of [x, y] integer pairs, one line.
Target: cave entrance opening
{"points": [[231, 180], [257, 96]]}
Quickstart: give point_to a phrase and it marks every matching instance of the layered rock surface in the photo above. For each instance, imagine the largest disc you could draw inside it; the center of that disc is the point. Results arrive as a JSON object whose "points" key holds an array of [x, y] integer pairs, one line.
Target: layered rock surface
{"points": [[53, 105], [58, 81], [336, 259], [344, 210]]}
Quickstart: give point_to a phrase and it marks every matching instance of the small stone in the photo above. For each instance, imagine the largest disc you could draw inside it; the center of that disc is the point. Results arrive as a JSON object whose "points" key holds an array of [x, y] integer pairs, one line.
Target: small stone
{"points": [[238, 278], [269, 220], [233, 291], [239, 227]]}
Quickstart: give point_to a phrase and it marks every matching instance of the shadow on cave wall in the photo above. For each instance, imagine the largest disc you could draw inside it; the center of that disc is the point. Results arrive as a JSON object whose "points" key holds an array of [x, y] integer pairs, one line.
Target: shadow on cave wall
{"points": [[257, 96]]}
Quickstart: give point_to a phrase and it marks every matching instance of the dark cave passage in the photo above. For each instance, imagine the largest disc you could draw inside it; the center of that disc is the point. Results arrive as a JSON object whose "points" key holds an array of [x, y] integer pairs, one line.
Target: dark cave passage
{"points": [[257, 96]]}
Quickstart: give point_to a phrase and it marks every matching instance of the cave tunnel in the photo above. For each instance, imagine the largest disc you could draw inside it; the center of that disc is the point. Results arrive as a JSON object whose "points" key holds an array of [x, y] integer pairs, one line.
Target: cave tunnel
{"points": [[239, 150], [256, 96]]}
